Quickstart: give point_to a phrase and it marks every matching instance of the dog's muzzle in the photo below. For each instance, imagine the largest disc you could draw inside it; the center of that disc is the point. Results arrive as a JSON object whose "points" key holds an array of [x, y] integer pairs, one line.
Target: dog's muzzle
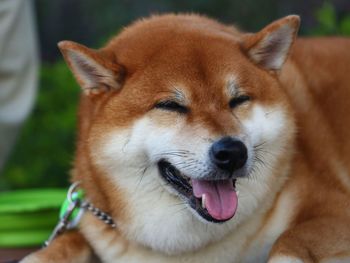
{"points": [[212, 196]]}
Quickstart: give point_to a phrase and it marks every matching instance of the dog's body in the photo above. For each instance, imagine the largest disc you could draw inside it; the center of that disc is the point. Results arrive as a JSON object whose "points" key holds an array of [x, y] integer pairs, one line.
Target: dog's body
{"points": [[163, 94]]}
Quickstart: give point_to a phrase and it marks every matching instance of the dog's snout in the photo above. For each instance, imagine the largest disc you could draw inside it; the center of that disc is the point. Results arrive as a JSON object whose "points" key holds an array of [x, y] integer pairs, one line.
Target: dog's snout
{"points": [[228, 154]]}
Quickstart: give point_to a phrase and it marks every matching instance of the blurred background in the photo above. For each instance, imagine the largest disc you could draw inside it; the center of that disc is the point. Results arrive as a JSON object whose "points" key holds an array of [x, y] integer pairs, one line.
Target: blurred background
{"points": [[44, 149]]}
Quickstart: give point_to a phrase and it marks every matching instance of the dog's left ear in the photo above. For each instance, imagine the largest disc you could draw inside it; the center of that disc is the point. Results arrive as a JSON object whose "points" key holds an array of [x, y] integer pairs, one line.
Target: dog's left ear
{"points": [[269, 48], [93, 70]]}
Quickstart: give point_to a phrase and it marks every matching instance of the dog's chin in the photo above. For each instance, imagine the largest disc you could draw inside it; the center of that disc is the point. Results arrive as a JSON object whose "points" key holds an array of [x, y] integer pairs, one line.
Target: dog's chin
{"points": [[182, 185]]}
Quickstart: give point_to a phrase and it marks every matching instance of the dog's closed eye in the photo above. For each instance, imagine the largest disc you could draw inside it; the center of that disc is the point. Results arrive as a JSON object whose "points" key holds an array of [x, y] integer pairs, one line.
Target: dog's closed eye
{"points": [[170, 105], [234, 102]]}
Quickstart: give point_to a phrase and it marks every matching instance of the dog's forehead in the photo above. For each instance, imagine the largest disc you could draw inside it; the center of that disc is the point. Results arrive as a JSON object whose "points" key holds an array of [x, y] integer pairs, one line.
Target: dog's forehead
{"points": [[184, 45], [192, 70]]}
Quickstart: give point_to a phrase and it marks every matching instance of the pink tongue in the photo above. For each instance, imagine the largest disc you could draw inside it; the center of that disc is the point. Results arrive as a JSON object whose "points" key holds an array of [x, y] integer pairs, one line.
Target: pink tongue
{"points": [[220, 197]]}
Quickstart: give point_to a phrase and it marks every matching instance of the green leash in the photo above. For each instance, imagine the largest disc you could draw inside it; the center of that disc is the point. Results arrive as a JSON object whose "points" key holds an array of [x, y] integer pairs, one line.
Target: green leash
{"points": [[72, 210]]}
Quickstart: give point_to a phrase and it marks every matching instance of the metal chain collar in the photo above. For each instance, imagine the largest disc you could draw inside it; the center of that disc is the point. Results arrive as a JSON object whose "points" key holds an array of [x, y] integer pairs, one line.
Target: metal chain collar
{"points": [[72, 210], [106, 218]]}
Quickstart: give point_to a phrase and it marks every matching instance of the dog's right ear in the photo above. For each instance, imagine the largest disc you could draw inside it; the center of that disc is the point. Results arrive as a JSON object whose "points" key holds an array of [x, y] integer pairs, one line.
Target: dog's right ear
{"points": [[94, 72], [270, 47]]}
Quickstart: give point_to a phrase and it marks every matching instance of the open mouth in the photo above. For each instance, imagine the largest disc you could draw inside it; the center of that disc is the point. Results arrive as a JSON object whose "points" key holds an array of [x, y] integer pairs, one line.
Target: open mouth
{"points": [[214, 200]]}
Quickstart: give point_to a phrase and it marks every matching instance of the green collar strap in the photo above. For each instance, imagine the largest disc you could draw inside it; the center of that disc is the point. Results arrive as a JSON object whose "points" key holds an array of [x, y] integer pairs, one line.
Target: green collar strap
{"points": [[72, 210], [74, 217]]}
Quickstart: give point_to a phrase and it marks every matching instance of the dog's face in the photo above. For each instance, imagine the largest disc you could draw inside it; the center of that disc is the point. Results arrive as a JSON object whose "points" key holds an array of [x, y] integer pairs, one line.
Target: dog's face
{"points": [[189, 124]]}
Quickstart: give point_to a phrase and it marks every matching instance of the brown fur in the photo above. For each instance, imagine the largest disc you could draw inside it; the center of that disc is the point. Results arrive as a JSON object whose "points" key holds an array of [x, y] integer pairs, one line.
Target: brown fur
{"points": [[70, 248], [319, 93], [150, 55]]}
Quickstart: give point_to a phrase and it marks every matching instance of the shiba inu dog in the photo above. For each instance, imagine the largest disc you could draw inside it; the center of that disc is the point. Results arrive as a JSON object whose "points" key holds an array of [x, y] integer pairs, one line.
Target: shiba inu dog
{"points": [[208, 144]]}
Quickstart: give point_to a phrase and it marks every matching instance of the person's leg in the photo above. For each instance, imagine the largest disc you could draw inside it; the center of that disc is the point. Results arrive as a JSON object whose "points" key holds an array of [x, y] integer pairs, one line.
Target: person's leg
{"points": [[18, 69]]}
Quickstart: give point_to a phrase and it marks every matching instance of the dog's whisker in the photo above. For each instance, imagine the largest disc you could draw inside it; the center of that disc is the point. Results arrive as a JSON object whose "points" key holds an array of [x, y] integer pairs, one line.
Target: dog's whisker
{"points": [[171, 154], [187, 160], [260, 144], [186, 165], [177, 151], [142, 176], [264, 151]]}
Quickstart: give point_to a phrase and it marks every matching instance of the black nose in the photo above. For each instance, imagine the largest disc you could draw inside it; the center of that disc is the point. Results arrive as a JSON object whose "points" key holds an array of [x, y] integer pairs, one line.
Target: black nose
{"points": [[228, 154]]}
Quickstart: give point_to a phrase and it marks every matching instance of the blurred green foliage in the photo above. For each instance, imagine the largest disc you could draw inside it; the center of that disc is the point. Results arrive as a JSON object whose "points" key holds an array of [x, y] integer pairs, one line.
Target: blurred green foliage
{"points": [[44, 151], [330, 22]]}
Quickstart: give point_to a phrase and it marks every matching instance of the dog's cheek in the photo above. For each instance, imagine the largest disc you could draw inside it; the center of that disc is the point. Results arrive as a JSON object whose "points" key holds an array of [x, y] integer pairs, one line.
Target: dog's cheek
{"points": [[164, 137], [265, 124], [127, 146], [269, 130], [108, 152]]}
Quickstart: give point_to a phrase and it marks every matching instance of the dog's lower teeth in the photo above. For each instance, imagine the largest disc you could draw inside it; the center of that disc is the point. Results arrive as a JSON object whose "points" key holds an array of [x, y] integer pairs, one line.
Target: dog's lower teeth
{"points": [[203, 201]]}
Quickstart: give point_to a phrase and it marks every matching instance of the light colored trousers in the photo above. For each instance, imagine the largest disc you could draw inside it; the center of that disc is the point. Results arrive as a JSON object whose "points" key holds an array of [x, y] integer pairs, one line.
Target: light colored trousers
{"points": [[18, 70]]}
